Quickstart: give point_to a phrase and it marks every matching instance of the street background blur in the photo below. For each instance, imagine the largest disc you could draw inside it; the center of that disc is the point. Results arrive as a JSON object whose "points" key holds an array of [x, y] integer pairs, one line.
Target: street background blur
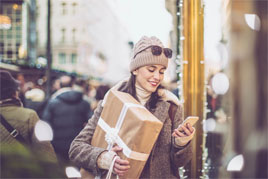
{"points": [[218, 69]]}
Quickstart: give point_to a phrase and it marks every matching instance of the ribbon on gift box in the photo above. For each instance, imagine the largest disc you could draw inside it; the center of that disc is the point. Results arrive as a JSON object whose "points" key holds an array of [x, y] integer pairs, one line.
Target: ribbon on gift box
{"points": [[112, 134]]}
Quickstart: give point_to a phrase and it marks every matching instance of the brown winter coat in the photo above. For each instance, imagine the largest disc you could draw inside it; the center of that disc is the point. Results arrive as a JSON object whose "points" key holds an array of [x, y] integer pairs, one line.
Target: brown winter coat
{"points": [[164, 159]]}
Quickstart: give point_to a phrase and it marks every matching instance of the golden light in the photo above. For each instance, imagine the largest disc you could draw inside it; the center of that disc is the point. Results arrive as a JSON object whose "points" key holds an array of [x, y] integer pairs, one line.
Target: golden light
{"points": [[15, 6], [5, 22], [22, 52]]}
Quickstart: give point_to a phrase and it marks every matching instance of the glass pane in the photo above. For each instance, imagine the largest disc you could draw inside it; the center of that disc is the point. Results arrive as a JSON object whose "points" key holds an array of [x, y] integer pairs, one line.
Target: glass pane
{"points": [[62, 58], [73, 59]]}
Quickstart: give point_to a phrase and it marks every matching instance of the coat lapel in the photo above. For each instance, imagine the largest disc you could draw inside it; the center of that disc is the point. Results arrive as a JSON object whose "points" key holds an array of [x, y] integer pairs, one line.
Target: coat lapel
{"points": [[161, 111]]}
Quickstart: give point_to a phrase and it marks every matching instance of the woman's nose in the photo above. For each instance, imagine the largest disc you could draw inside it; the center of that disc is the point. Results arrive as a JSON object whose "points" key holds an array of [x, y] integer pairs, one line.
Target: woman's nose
{"points": [[157, 75]]}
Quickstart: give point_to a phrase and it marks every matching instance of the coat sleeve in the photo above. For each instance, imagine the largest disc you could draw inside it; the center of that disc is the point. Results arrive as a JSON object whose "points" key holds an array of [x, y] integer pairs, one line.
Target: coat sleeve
{"points": [[180, 156], [81, 152]]}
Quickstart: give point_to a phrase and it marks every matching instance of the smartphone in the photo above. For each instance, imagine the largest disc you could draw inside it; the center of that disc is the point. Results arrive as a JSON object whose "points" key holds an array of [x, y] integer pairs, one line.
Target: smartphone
{"points": [[190, 119]]}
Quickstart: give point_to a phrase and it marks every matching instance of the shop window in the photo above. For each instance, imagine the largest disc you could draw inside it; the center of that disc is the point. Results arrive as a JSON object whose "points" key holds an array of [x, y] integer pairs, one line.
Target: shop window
{"points": [[9, 36], [17, 46], [9, 54], [9, 10], [18, 19]]}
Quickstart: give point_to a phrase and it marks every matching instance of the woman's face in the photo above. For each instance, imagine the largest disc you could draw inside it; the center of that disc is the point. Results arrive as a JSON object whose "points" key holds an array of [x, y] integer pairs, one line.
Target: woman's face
{"points": [[149, 77]]}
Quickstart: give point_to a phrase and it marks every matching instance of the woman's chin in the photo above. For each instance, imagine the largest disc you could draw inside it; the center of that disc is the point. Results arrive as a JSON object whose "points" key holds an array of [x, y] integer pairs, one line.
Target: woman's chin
{"points": [[152, 89]]}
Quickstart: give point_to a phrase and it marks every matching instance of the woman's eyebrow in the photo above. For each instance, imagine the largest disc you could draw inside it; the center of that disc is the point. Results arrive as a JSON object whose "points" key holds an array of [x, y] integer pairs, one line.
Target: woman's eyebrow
{"points": [[152, 66]]}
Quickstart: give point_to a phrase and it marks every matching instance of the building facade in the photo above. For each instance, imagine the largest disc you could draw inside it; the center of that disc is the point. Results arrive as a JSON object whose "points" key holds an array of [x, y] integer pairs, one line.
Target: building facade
{"points": [[86, 38], [12, 39]]}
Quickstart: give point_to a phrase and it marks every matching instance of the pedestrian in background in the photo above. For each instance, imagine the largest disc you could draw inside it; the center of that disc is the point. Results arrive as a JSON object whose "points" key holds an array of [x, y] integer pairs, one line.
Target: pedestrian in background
{"points": [[67, 113], [101, 91], [35, 99], [27, 156], [173, 146]]}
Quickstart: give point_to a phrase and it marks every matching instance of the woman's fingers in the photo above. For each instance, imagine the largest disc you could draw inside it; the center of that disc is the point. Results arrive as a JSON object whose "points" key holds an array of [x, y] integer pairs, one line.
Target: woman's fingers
{"points": [[119, 172], [117, 149], [190, 127], [183, 131], [121, 166], [178, 133], [121, 161]]}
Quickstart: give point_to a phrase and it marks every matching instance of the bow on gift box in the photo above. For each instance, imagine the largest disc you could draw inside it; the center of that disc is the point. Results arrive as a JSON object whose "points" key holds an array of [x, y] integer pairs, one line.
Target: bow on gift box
{"points": [[112, 137]]}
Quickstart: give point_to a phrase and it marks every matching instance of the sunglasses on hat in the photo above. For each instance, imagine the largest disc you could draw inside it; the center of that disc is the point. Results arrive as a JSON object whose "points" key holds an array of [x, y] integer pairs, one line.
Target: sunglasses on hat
{"points": [[157, 51]]}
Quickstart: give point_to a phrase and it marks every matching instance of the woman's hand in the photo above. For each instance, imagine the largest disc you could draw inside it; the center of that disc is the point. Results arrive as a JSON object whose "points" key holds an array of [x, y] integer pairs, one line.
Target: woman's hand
{"points": [[183, 134], [183, 131], [120, 166]]}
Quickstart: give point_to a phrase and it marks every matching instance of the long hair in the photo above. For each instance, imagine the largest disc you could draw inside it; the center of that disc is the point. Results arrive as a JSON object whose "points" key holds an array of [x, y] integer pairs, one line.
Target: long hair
{"points": [[129, 87]]}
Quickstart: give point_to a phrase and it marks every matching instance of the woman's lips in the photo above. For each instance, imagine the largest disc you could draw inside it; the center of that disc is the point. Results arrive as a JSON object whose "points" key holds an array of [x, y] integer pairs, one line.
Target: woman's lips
{"points": [[153, 83]]}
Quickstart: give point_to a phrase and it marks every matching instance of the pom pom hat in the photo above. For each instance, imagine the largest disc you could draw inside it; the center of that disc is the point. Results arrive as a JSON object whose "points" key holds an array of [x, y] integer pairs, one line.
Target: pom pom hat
{"points": [[142, 53]]}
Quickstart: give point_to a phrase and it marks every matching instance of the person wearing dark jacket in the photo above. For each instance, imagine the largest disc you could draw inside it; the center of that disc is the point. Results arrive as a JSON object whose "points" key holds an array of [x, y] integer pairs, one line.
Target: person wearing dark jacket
{"points": [[67, 113]]}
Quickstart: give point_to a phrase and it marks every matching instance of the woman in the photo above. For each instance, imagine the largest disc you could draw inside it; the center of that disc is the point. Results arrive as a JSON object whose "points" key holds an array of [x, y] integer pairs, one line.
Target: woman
{"points": [[172, 148]]}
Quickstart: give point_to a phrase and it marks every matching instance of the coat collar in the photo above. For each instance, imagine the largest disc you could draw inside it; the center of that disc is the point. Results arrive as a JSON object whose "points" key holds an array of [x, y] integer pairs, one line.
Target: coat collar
{"points": [[11, 102]]}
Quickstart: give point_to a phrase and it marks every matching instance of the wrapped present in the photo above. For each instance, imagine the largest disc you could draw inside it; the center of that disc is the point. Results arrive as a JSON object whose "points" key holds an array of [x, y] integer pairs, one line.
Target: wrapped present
{"points": [[128, 124]]}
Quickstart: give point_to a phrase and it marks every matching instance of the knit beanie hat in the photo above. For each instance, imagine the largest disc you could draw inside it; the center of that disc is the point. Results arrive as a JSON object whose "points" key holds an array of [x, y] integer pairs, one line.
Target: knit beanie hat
{"points": [[142, 57], [8, 85]]}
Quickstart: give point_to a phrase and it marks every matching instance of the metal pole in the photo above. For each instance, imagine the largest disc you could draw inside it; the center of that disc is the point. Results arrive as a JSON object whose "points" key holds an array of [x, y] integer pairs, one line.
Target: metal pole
{"points": [[49, 59], [193, 75], [32, 38]]}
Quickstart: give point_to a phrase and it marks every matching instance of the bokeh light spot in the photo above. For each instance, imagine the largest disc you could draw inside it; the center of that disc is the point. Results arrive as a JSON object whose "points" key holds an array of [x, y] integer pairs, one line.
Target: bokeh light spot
{"points": [[72, 172], [220, 83], [43, 131], [253, 21], [209, 125], [236, 164]]}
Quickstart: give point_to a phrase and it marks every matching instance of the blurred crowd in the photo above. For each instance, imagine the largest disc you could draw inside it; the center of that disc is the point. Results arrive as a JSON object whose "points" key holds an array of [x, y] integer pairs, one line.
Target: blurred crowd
{"points": [[33, 94], [26, 106]]}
